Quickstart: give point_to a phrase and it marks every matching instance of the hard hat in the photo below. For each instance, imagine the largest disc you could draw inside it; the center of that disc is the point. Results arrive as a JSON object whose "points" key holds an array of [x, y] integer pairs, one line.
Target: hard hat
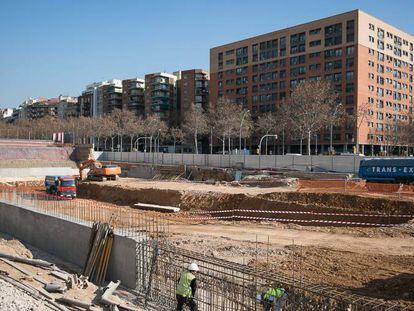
{"points": [[193, 267]]}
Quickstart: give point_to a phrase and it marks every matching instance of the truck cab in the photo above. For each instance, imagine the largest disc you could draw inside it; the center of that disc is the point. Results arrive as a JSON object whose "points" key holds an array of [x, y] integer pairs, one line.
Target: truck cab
{"points": [[63, 186]]}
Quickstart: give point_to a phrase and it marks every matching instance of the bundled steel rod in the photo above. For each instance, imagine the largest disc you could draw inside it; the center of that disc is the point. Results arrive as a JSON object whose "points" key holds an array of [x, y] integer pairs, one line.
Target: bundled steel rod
{"points": [[100, 246]]}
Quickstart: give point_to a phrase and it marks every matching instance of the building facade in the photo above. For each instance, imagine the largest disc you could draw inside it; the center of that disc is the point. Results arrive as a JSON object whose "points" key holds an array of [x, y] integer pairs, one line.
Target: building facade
{"points": [[193, 90], [100, 98], [369, 62], [133, 96], [161, 96], [68, 107]]}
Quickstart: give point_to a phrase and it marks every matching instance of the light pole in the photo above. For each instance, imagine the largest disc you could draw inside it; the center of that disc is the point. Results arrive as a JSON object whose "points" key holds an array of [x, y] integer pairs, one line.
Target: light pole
{"points": [[241, 125], [260, 144]]}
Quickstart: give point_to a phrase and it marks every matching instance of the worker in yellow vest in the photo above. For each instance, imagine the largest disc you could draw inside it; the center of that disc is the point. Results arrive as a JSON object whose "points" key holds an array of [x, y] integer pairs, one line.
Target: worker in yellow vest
{"points": [[186, 288], [273, 299]]}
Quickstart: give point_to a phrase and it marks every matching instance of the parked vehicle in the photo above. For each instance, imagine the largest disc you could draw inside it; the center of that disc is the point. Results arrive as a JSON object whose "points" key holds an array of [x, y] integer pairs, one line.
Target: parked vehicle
{"points": [[392, 170], [63, 186]]}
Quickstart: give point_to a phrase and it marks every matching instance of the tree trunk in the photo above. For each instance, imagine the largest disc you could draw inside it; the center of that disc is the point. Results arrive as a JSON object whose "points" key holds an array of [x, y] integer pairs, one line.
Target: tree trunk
{"points": [[132, 143], [195, 142], [112, 143], [331, 140], [301, 144], [283, 141], [229, 144], [309, 142], [224, 144], [175, 151]]}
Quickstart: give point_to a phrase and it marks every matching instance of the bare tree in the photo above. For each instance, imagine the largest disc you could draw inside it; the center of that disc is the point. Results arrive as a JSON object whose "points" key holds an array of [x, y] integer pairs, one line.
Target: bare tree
{"points": [[362, 114], [177, 136], [195, 124], [228, 118], [155, 128], [265, 125], [309, 107]]}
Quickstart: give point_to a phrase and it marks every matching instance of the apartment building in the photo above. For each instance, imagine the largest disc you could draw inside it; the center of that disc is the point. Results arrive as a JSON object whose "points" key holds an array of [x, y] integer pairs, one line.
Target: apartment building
{"points": [[40, 108], [68, 107], [133, 95], [192, 90], [161, 96], [369, 62], [100, 98]]}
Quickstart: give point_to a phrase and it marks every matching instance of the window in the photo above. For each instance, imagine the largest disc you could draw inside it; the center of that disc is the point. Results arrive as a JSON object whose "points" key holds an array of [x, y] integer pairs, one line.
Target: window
{"points": [[349, 100], [333, 53], [268, 49], [314, 67], [316, 54], [371, 51], [371, 27], [315, 43], [349, 63], [350, 50], [349, 75], [350, 31], [380, 44], [315, 31], [229, 52], [333, 65], [349, 87], [371, 39], [297, 60], [333, 34]]}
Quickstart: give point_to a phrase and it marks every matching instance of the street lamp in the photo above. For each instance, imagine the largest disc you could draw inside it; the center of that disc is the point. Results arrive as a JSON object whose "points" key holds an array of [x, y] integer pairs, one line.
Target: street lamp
{"points": [[260, 144]]}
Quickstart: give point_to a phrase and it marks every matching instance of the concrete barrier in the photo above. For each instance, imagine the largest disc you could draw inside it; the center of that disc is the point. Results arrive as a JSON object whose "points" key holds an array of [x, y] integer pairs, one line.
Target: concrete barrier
{"points": [[343, 164], [67, 240]]}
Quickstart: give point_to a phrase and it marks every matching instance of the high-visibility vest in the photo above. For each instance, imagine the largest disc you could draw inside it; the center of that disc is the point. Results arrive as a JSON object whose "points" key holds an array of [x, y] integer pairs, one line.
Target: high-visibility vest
{"points": [[276, 293], [183, 287]]}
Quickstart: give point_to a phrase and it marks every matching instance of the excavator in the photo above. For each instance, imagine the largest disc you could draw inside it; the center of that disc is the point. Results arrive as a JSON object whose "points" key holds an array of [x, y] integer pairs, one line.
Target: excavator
{"points": [[98, 171]]}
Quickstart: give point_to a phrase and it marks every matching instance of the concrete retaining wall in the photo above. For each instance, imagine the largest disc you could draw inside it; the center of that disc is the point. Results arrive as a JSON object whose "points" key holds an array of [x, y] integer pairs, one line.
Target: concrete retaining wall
{"points": [[67, 240], [37, 171], [342, 164]]}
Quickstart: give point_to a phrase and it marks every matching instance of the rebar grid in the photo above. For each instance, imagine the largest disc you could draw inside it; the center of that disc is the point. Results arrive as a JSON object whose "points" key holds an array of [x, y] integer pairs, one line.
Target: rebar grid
{"points": [[222, 285]]}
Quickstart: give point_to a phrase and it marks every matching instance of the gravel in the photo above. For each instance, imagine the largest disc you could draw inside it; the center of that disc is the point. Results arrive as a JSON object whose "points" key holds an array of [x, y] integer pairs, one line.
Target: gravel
{"points": [[14, 299]]}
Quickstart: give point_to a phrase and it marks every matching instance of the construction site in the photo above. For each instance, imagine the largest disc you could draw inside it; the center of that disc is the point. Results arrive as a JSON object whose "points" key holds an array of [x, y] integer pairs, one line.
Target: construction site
{"points": [[331, 241]]}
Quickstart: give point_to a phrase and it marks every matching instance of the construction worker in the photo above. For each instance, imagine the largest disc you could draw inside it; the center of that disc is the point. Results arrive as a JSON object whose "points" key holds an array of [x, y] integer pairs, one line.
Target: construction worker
{"points": [[273, 299], [187, 287]]}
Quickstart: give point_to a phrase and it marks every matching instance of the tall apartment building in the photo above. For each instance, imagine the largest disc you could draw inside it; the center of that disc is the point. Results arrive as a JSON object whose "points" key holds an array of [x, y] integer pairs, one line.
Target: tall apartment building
{"points": [[133, 95], [40, 108], [192, 89], [161, 96], [369, 61], [100, 98]]}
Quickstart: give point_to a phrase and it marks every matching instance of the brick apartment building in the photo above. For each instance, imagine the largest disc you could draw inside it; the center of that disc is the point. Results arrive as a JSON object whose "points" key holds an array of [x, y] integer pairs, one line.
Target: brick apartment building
{"points": [[369, 61], [193, 89], [161, 96], [133, 95]]}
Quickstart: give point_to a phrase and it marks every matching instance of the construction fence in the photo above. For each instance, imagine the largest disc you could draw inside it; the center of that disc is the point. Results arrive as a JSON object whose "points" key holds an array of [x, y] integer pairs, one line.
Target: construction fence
{"points": [[222, 285], [341, 164]]}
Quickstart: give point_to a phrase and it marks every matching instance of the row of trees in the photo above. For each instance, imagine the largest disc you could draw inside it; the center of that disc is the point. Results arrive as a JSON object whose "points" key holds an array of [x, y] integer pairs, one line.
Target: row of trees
{"points": [[312, 108]]}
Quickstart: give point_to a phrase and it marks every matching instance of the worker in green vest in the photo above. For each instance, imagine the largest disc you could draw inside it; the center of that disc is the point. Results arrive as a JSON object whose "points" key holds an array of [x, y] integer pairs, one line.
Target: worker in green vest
{"points": [[187, 287], [273, 299]]}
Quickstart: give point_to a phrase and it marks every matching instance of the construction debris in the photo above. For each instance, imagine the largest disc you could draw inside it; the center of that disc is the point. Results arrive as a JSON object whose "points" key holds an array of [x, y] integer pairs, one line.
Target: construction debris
{"points": [[157, 208], [100, 246], [34, 262]]}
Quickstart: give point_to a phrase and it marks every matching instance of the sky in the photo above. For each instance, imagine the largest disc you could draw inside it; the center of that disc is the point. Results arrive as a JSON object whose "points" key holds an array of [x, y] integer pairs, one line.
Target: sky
{"points": [[55, 47]]}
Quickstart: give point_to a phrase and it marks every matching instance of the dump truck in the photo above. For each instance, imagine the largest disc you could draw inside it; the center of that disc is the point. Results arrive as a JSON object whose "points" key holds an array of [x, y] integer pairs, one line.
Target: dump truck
{"points": [[98, 171], [387, 170], [63, 186]]}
